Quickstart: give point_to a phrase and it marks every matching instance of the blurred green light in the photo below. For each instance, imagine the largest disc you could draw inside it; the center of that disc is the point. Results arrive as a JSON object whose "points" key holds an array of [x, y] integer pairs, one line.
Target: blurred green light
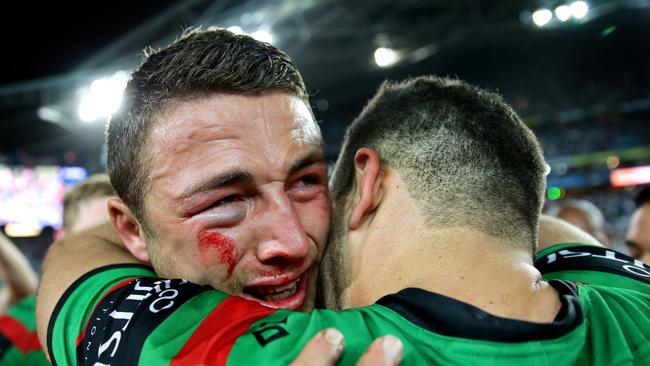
{"points": [[554, 193], [607, 31]]}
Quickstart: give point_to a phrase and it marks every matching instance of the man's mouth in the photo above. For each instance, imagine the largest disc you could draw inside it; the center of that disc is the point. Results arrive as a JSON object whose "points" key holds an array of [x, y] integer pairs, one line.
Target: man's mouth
{"points": [[290, 295]]}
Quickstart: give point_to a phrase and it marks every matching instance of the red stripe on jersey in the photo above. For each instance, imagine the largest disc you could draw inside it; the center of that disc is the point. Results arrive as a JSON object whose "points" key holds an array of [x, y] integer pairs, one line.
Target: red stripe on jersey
{"points": [[212, 341], [80, 338], [21, 337]]}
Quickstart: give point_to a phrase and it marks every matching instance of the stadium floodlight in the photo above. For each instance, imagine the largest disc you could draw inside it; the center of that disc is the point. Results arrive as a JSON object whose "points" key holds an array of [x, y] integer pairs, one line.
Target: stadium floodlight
{"points": [[50, 114], [563, 13], [103, 97], [263, 36], [541, 17], [236, 29], [385, 57], [579, 9], [16, 230]]}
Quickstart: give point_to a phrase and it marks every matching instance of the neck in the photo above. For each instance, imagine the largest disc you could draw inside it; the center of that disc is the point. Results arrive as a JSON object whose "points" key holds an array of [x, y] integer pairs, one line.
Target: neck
{"points": [[495, 276]]}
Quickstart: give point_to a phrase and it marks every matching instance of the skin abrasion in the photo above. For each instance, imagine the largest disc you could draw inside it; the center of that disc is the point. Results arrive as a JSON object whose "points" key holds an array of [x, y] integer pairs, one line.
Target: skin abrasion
{"points": [[216, 248]]}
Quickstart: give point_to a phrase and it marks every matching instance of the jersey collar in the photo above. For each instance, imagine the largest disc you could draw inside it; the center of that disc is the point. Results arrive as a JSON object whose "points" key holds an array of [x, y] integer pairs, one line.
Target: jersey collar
{"points": [[449, 317]]}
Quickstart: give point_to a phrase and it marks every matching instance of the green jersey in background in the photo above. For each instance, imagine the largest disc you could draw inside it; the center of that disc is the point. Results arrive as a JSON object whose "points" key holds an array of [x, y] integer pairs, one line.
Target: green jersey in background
{"points": [[18, 340]]}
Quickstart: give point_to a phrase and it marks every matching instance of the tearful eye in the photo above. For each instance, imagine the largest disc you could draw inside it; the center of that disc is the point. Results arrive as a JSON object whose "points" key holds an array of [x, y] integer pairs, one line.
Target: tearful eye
{"points": [[309, 180], [225, 201]]}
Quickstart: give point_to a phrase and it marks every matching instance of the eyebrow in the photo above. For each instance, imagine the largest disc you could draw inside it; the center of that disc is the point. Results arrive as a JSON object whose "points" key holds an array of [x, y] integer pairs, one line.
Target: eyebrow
{"points": [[242, 176], [315, 157], [219, 181]]}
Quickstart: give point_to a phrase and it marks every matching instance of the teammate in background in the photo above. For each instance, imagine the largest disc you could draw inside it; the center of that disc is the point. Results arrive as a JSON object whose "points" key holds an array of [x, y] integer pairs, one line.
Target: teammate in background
{"points": [[84, 206], [583, 214], [638, 232], [19, 278], [423, 239]]}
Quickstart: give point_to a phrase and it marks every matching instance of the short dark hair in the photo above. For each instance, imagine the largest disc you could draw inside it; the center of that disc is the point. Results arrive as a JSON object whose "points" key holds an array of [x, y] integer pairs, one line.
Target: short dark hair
{"points": [[197, 64], [462, 151], [96, 186]]}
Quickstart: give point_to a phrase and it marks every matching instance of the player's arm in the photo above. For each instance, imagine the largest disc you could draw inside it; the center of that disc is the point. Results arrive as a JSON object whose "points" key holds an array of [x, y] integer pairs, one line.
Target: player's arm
{"points": [[142, 319], [20, 279], [326, 347], [553, 231], [568, 253], [70, 258]]}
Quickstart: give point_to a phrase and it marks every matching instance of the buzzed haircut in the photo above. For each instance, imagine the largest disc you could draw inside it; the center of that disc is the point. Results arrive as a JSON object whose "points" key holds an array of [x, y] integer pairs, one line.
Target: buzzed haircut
{"points": [[463, 153], [98, 185], [198, 64]]}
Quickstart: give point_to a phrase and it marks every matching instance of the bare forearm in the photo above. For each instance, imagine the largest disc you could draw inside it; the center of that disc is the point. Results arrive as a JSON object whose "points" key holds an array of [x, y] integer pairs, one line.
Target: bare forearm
{"points": [[555, 231], [70, 258], [18, 274]]}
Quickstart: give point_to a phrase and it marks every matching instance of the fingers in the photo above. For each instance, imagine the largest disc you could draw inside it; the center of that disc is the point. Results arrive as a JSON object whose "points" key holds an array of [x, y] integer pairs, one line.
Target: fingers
{"points": [[326, 348], [322, 350], [384, 351]]}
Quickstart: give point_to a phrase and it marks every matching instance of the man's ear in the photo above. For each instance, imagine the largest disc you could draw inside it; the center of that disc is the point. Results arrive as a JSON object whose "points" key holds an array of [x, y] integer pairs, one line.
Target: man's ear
{"points": [[368, 194], [128, 228]]}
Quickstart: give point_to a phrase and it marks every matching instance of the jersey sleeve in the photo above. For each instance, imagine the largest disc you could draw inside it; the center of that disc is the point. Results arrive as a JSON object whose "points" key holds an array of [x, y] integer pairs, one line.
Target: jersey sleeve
{"points": [[73, 309], [595, 265], [18, 340], [122, 315]]}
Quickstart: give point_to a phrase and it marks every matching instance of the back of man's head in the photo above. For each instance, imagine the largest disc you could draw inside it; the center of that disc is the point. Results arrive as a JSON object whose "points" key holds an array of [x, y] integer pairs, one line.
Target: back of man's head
{"points": [[77, 214], [198, 64], [462, 151], [581, 213]]}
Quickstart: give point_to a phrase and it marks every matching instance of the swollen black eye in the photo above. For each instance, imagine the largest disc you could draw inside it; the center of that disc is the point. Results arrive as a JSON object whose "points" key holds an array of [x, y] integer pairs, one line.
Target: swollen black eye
{"points": [[226, 200]]}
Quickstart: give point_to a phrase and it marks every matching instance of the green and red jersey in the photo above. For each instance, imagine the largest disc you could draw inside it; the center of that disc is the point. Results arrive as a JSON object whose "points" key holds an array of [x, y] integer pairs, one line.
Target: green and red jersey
{"points": [[124, 315], [595, 265], [18, 340]]}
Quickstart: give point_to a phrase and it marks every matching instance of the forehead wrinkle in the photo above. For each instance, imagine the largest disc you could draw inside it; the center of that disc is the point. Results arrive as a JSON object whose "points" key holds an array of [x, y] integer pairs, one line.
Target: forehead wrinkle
{"points": [[211, 133]]}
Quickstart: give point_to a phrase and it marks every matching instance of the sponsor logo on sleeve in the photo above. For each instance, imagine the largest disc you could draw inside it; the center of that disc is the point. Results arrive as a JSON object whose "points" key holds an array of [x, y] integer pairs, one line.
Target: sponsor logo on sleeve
{"points": [[592, 258], [122, 321]]}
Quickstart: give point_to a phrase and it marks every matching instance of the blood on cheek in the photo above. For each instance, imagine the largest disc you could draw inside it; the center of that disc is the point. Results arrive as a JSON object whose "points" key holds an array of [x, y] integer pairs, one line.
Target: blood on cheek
{"points": [[216, 248]]}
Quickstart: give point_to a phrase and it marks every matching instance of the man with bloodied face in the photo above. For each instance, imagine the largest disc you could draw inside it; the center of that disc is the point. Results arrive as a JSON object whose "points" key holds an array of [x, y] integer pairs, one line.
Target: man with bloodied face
{"points": [[250, 217], [221, 179], [220, 169]]}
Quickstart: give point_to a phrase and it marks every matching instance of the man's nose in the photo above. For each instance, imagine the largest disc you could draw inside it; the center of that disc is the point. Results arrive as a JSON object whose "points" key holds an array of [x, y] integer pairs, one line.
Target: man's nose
{"points": [[283, 238]]}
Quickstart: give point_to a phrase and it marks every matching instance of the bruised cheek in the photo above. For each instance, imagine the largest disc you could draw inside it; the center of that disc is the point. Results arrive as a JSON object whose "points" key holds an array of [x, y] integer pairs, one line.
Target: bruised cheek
{"points": [[216, 248]]}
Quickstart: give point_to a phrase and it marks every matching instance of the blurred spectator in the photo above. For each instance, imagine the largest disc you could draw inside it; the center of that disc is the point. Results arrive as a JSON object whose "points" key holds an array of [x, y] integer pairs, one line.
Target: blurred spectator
{"points": [[19, 277], [585, 215], [638, 233], [84, 206]]}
